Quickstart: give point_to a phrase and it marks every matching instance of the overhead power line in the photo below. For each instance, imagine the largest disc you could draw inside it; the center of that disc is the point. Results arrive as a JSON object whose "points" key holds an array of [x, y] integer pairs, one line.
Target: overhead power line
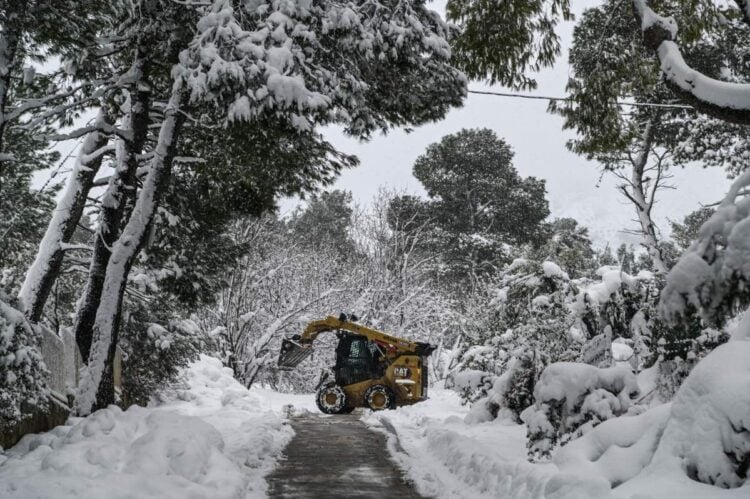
{"points": [[569, 99]]}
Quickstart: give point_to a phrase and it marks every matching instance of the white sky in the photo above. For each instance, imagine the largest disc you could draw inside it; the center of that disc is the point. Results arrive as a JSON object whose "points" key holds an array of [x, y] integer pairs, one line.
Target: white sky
{"points": [[538, 140]]}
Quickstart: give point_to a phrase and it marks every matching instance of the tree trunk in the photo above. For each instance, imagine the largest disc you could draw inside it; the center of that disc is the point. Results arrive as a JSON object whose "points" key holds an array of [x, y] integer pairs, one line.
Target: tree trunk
{"points": [[122, 185], [46, 267], [9, 41], [638, 195], [95, 390]]}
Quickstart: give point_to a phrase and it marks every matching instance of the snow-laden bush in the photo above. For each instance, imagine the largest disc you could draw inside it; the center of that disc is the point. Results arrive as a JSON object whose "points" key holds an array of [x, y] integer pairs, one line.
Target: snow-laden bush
{"points": [[529, 318], [470, 384], [154, 353], [511, 392], [617, 449], [542, 317], [709, 427], [618, 305], [570, 399], [23, 374]]}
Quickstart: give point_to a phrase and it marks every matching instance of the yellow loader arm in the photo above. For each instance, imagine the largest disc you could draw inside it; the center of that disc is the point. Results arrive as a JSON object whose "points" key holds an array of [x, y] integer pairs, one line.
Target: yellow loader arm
{"points": [[297, 348], [332, 323]]}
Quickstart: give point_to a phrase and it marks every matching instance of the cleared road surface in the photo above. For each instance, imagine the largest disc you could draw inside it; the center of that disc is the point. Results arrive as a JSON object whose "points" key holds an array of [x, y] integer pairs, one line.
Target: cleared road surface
{"points": [[336, 457]]}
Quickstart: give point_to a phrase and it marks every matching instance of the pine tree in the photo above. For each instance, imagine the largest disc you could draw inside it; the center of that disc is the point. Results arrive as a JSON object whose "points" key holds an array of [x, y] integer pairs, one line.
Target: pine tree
{"points": [[478, 206], [159, 68], [568, 244]]}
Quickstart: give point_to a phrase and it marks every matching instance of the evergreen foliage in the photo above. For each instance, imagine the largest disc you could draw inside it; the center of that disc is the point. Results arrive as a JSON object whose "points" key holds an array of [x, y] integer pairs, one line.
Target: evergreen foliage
{"points": [[478, 207], [505, 44], [23, 375]]}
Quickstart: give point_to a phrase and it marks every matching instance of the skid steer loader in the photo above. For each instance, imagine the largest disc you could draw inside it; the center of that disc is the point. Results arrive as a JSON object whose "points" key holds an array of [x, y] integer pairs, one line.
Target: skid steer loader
{"points": [[373, 369]]}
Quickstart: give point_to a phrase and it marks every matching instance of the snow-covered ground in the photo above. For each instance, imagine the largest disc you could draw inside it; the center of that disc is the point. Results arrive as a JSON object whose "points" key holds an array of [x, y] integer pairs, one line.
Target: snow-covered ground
{"points": [[214, 438], [628, 457], [448, 458], [211, 438]]}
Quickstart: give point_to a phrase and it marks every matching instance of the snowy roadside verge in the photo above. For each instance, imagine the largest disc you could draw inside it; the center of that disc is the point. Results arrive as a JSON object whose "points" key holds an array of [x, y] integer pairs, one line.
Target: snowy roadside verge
{"points": [[211, 438], [671, 450], [447, 458]]}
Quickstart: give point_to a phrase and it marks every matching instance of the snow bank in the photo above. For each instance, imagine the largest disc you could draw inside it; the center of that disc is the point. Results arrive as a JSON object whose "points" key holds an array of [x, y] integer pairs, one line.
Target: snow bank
{"points": [[212, 438], [643, 456], [708, 432], [617, 449], [667, 451], [571, 398], [448, 458]]}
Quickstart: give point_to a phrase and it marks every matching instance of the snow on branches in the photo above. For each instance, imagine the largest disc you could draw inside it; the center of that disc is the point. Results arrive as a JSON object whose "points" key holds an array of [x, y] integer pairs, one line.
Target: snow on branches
{"points": [[324, 62], [725, 100], [23, 374], [712, 276], [571, 398]]}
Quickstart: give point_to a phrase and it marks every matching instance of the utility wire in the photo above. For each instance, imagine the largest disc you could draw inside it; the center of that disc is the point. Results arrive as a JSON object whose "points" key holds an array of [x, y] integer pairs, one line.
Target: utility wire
{"points": [[570, 99]]}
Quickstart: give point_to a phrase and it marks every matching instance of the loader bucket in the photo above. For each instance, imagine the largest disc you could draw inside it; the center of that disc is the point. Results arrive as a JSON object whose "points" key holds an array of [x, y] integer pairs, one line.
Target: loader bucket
{"points": [[292, 353]]}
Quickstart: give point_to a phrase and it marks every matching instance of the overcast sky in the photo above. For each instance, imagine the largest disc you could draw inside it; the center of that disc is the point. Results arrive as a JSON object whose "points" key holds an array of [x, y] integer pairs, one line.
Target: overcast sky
{"points": [[573, 184]]}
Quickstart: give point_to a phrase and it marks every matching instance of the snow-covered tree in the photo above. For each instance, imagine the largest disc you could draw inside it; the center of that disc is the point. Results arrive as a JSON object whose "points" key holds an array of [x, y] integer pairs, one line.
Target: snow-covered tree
{"points": [[710, 277], [530, 326], [568, 244], [506, 44], [478, 206], [156, 65], [628, 120], [254, 60], [23, 374], [325, 222], [725, 97]]}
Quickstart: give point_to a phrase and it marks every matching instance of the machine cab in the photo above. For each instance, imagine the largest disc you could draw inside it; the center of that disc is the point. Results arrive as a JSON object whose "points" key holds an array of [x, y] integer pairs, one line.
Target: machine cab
{"points": [[357, 359]]}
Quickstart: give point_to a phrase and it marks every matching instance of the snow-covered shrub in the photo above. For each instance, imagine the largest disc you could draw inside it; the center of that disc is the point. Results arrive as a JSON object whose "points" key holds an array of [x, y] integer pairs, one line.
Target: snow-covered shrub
{"points": [[470, 384], [512, 391], [23, 375], [530, 317], [618, 305], [708, 433], [155, 354], [712, 276], [541, 314], [618, 449], [678, 357], [570, 399]]}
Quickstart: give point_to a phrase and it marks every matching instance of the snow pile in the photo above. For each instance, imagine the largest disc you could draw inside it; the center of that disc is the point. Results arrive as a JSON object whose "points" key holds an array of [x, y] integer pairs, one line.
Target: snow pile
{"points": [[552, 270], [447, 458], [571, 398], [628, 457], [617, 449], [707, 437], [214, 438]]}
